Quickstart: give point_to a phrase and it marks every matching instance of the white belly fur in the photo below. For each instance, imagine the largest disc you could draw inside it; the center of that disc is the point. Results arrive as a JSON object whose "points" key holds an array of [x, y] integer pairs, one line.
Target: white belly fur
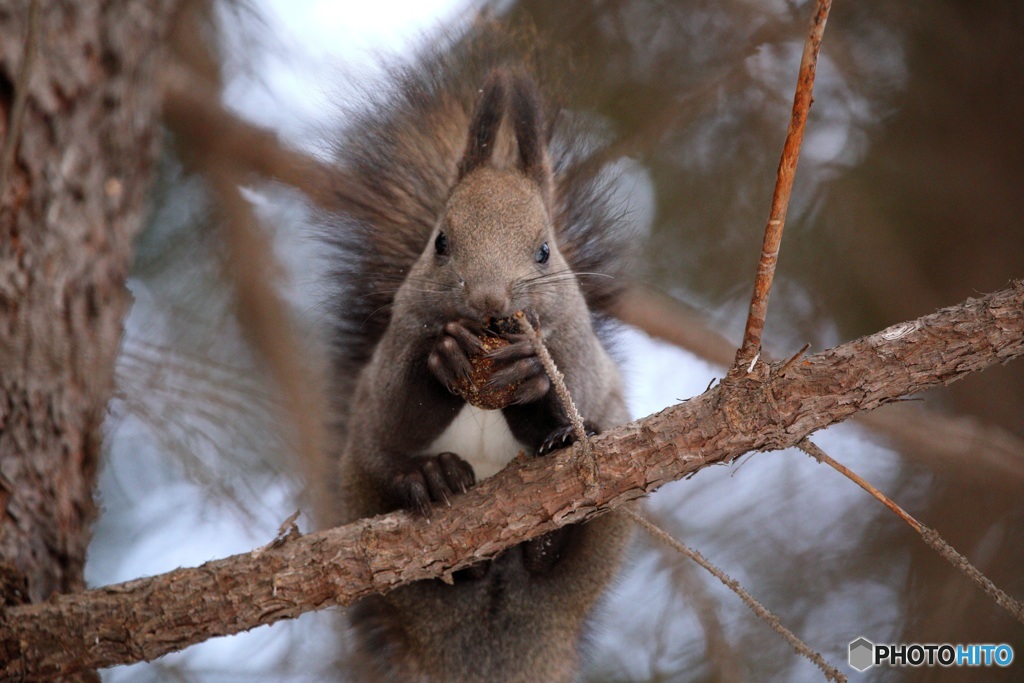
{"points": [[481, 438]]}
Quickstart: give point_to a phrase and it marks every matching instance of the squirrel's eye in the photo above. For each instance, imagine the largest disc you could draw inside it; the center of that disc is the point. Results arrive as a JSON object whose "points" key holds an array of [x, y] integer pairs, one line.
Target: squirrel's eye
{"points": [[441, 244], [543, 253]]}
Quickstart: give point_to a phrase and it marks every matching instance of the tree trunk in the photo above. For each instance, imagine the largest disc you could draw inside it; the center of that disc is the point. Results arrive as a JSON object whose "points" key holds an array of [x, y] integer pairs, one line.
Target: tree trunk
{"points": [[79, 131]]}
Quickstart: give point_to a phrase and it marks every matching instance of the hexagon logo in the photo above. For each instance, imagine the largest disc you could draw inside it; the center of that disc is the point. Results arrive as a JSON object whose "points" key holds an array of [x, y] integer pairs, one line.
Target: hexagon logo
{"points": [[862, 654]]}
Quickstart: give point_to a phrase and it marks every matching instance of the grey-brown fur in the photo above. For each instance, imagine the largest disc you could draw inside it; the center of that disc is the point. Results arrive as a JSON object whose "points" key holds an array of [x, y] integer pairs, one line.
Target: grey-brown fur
{"points": [[467, 144]]}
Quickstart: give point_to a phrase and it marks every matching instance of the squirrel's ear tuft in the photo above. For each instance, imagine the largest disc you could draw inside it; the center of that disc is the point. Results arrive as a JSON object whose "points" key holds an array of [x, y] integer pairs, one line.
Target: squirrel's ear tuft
{"points": [[527, 119], [515, 91], [483, 127]]}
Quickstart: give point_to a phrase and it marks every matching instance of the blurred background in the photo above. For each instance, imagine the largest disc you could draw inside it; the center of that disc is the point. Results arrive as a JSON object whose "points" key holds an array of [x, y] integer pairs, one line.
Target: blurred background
{"points": [[909, 197]]}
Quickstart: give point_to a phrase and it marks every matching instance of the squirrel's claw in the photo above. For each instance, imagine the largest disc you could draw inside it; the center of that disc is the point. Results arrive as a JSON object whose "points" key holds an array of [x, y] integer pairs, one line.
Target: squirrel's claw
{"points": [[562, 437], [427, 479]]}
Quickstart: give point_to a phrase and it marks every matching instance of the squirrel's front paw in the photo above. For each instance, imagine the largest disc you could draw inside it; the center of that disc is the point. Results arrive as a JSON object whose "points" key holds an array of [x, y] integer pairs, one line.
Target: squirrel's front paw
{"points": [[491, 370], [518, 366], [449, 359], [426, 479]]}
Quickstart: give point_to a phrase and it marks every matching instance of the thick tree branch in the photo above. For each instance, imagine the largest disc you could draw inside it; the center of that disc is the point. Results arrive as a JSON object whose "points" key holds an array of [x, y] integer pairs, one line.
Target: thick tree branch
{"points": [[146, 618]]}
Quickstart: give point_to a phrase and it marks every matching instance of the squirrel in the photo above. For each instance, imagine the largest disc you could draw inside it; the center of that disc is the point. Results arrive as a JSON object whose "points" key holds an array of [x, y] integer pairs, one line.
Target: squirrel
{"points": [[470, 199]]}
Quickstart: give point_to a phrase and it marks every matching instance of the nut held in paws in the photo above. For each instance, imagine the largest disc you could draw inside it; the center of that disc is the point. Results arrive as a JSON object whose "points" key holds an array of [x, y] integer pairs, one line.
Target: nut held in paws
{"points": [[475, 389]]}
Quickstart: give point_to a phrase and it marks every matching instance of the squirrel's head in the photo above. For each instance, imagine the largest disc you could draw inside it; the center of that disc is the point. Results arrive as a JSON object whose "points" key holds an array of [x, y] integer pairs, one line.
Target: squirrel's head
{"points": [[495, 240]]}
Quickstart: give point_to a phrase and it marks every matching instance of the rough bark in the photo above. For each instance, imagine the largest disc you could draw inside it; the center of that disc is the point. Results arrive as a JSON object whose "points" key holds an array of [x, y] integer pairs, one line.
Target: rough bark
{"points": [[73, 201], [759, 410]]}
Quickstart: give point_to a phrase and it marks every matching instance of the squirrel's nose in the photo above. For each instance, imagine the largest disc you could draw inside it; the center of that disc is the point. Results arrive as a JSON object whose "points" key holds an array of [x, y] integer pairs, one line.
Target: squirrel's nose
{"points": [[489, 302]]}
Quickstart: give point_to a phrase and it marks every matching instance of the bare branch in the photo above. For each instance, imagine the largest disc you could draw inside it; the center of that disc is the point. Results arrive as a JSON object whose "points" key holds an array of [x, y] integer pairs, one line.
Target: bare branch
{"points": [[765, 614], [990, 455], [192, 105], [808, 447], [143, 619], [930, 536]]}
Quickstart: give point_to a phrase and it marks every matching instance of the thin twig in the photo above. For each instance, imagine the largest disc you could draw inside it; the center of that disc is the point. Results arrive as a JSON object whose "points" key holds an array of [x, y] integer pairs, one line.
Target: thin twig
{"points": [[930, 536], [190, 102], [724, 663], [811, 449], [783, 189], [577, 421], [20, 94], [587, 460], [831, 673]]}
